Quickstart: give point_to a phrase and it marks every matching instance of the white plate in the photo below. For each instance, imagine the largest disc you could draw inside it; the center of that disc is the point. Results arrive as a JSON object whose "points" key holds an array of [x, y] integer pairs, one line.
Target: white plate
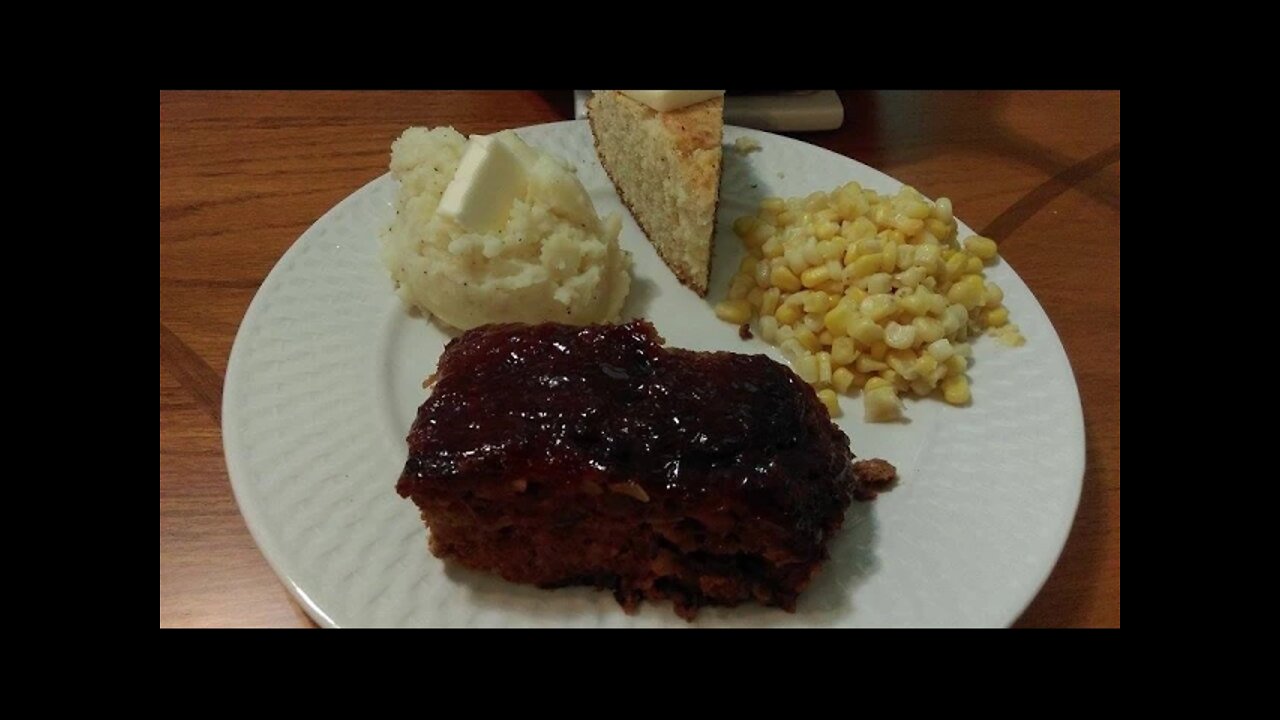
{"points": [[326, 375]]}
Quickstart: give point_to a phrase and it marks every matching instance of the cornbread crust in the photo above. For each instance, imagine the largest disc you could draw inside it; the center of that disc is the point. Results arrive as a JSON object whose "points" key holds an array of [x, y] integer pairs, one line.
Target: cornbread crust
{"points": [[693, 134]]}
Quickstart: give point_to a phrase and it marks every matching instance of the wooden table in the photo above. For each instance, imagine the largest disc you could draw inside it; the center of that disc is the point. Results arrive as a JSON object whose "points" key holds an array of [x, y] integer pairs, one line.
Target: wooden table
{"points": [[242, 174]]}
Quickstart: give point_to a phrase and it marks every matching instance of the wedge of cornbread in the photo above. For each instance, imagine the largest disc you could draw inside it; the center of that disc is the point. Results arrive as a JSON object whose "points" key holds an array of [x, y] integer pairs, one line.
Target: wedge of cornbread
{"points": [[666, 168]]}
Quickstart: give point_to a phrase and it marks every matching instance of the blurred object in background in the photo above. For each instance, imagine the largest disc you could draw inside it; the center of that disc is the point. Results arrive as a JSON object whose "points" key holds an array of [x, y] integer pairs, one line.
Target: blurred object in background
{"points": [[776, 110]]}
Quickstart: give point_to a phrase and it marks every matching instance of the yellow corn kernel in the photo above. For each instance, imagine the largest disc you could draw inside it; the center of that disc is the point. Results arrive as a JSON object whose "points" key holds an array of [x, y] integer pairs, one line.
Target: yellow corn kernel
{"points": [[942, 209], [899, 337], [957, 364], [760, 234], [996, 317], [791, 348], [967, 292], [785, 280], [734, 311], [769, 328], [861, 267], [788, 314], [865, 331], [868, 364], [876, 382], [787, 217], [861, 228], [927, 257], [898, 382], [903, 364], [878, 306], [921, 387], [910, 277], [796, 261], [772, 248], [813, 321], [740, 286], [915, 303], [812, 256], [824, 366], [808, 339], [907, 225], [773, 204], [842, 351], [925, 366], [956, 264], [833, 287], [829, 399], [879, 350], [993, 295], [755, 297], [806, 366], [881, 404], [889, 256], [856, 295], [769, 301], [815, 276], [747, 266], [817, 302], [1010, 336], [928, 330], [841, 379], [744, 225], [983, 248], [826, 338], [941, 350], [955, 389], [906, 256], [826, 215], [938, 228], [829, 250], [826, 231], [973, 265], [837, 319], [880, 283], [954, 318], [917, 209]]}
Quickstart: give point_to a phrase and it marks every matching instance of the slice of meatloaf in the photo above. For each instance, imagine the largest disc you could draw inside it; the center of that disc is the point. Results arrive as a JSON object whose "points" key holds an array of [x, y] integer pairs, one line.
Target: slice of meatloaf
{"points": [[560, 455]]}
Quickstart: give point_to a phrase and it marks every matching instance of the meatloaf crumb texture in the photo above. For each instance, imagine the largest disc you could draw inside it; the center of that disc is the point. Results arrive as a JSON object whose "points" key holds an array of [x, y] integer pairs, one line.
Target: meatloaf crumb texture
{"points": [[559, 455]]}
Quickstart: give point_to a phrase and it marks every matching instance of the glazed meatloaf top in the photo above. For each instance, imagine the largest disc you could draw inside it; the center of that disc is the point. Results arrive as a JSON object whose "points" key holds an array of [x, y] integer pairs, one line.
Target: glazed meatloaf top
{"points": [[554, 405]]}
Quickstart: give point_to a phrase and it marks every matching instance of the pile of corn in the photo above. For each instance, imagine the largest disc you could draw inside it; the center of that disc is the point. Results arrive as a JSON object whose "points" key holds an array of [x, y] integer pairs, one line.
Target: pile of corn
{"points": [[864, 291]]}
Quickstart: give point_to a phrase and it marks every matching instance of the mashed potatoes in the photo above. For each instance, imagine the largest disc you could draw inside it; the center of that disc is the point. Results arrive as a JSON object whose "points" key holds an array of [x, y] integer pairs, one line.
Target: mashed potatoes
{"points": [[554, 260]]}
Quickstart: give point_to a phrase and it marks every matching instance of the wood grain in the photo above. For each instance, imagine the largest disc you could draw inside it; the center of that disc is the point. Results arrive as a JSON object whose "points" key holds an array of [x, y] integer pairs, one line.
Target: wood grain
{"points": [[242, 174]]}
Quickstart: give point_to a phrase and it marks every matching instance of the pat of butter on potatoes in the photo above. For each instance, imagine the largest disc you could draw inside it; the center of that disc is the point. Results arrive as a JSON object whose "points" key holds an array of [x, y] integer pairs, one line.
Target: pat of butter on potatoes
{"points": [[491, 230], [488, 179]]}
